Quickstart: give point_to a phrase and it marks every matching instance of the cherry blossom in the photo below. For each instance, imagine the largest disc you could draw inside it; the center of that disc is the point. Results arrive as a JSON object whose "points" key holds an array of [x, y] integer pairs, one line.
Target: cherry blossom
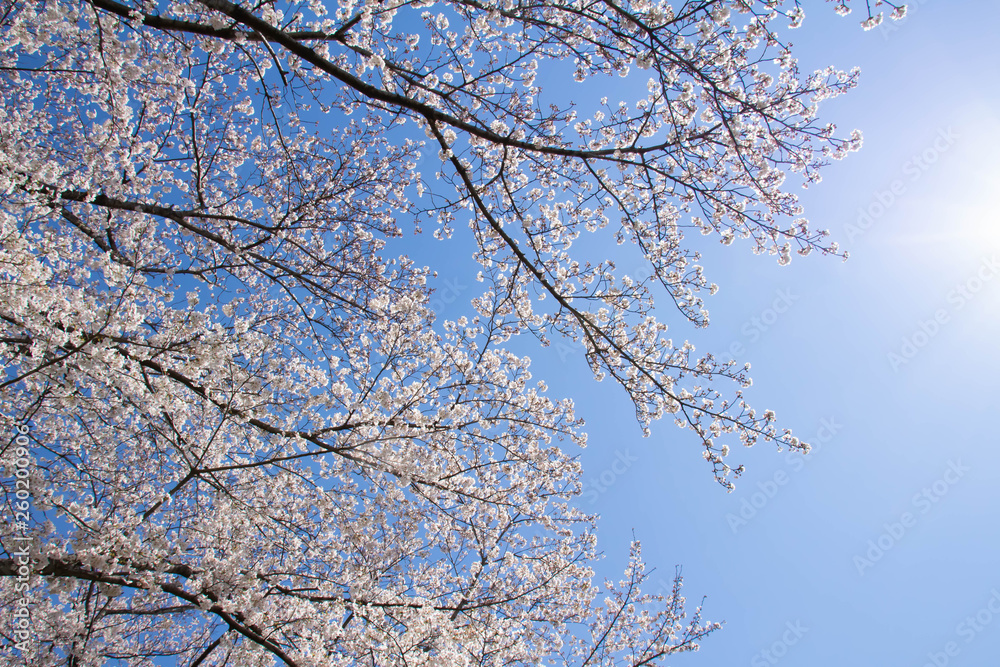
{"points": [[251, 440]]}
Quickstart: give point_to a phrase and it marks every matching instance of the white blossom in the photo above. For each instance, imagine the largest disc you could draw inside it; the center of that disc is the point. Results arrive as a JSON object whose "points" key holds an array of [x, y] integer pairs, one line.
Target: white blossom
{"points": [[244, 402]]}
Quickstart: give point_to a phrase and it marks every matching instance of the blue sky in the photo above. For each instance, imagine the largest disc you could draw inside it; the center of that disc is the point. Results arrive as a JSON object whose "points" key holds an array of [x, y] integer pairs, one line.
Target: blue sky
{"points": [[881, 547], [909, 460]]}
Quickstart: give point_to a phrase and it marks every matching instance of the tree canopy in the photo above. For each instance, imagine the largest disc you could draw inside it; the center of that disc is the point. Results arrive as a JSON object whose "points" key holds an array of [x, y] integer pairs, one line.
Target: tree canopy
{"points": [[242, 434]]}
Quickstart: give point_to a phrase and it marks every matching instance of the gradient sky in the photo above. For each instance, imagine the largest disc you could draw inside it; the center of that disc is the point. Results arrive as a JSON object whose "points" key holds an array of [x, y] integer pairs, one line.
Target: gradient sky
{"points": [[881, 547]]}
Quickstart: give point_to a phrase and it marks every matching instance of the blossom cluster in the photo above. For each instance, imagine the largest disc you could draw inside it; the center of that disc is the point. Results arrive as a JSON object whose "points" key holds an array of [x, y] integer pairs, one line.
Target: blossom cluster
{"points": [[252, 440]]}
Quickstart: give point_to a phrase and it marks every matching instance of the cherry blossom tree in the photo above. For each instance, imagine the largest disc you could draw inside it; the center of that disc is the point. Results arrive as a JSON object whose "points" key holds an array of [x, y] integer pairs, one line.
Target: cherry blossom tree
{"points": [[246, 436]]}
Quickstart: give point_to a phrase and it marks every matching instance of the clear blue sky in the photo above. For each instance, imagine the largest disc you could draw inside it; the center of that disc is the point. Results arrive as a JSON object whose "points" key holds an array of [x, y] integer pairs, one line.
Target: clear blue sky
{"points": [[909, 460]]}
